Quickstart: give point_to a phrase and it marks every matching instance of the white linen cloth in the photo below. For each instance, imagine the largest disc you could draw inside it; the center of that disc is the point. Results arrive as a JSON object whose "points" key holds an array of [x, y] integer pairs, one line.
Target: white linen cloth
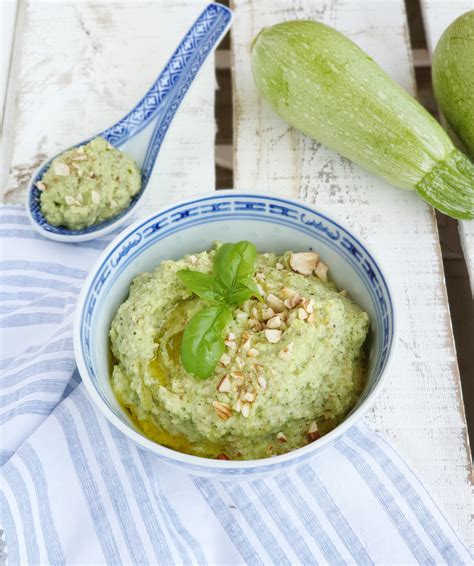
{"points": [[76, 491]]}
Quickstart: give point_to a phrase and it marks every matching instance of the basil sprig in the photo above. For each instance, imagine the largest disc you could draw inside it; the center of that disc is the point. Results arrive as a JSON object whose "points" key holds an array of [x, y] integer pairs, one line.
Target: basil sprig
{"points": [[229, 285]]}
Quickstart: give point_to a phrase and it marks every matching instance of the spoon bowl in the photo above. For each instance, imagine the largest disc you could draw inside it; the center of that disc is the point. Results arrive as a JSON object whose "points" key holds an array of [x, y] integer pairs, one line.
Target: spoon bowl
{"points": [[140, 133]]}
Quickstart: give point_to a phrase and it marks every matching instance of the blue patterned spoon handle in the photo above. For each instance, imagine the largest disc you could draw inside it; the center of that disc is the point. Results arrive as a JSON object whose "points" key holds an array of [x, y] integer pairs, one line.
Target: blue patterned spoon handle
{"points": [[169, 89]]}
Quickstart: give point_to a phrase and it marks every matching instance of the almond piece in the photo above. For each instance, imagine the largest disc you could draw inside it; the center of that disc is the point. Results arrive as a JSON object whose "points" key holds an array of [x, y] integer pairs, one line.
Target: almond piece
{"points": [[193, 259], [253, 353], [40, 186], [238, 406], [312, 318], [287, 293], [284, 354], [273, 336], [249, 396], [113, 204], [267, 313], [223, 411], [302, 314], [313, 433], [293, 301], [224, 385], [275, 303], [279, 266], [245, 347], [291, 317], [241, 315], [245, 410], [309, 306], [261, 290], [260, 276], [231, 336], [61, 169], [321, 271], [274, 322], [304, 262], [225, 359], [95, 197], [262, 381], [258, 325], [70, 200], [281, 437]]}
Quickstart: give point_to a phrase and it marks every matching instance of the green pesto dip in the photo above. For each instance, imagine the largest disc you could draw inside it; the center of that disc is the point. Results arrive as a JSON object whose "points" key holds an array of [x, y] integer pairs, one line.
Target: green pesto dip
{"points": [[272, 392], [87, 185]]}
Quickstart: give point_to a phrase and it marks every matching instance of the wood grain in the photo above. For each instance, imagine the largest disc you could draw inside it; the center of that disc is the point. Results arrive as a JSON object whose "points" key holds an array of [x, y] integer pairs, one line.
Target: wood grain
{"points": [[79, 66], [437, 16], [421, 411]]}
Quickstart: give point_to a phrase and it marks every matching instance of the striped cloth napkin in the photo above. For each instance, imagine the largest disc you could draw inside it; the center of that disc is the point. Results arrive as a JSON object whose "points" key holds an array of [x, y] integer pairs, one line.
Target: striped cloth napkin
{"points": [[76, 491]]}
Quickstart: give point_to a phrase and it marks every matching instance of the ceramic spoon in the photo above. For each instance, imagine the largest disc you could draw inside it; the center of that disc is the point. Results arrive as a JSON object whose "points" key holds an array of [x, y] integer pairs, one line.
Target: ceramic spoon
{"points": [[141, 132]]}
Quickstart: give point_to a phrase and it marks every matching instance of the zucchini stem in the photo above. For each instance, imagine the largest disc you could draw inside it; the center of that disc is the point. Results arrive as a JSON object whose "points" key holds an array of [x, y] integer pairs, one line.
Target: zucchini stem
{"points": [[449, 186]]}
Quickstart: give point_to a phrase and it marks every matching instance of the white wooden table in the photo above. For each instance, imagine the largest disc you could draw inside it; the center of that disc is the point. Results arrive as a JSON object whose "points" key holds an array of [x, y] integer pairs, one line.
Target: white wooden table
{"points": [[77, 66]]}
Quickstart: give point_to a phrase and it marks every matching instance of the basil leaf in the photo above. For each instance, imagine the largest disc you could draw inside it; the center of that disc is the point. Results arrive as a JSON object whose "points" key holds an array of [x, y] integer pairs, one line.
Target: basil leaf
{"points": [[203, 341], [203, 285], [245, 289], [233, 262]]}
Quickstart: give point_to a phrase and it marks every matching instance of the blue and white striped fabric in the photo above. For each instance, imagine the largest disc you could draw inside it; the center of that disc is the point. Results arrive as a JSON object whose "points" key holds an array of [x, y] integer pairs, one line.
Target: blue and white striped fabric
{"points": [[76, 491]]}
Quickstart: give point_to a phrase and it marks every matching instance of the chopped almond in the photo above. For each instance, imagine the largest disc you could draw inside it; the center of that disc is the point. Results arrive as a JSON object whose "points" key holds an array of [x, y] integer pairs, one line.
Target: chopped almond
{"points": [[287, 293], [193, 259], [284, 354], [95, 197], [262, 382], [273, 336], [40, 186], [223, 411], [231, 336], [260, 276], [61, 169], [281, 437], [267, 313], [302, 314], [293, 301], [224, 385], [275, 303], [279, 266], [313, 433], [274, 322], [70, 200], [304, 262], [245, 410], [245, 347], [322, 271], [249, 396], [253, 353]]}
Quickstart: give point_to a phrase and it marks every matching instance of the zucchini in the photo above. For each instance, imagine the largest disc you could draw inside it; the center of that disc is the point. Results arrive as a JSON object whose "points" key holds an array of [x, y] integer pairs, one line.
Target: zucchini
{"points": [[321, 83], [453, 78]]}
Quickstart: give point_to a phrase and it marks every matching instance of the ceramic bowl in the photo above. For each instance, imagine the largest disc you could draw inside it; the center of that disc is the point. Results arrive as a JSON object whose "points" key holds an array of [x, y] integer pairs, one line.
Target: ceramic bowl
{"points": [[273, 224]]}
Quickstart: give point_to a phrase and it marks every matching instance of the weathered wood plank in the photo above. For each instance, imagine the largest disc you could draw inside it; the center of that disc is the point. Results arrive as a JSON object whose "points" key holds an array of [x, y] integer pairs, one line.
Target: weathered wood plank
{"points": [[437, 16], [420, 412], [80, 65]]}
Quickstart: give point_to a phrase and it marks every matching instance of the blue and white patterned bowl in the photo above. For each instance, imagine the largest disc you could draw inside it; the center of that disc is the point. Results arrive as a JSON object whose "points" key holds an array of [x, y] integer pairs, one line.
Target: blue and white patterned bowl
{"points": [[273, 224]]}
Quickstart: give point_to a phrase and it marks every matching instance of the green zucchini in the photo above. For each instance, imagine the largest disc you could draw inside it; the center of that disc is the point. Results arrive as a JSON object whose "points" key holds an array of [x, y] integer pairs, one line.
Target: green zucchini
{"points": [[321, 83], [453, 77]]}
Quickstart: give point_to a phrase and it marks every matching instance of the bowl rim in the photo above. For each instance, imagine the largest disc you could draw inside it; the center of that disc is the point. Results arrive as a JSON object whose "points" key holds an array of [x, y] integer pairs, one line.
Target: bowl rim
{"points": [[190, 460]]}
